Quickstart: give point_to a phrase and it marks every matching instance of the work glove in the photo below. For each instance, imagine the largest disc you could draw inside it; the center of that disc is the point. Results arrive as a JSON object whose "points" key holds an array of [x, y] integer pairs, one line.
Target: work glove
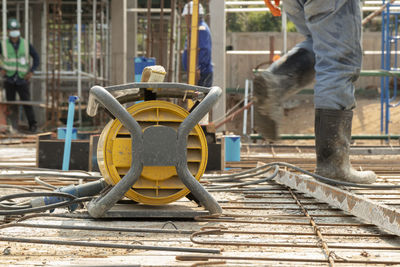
{"points": [[275, 10]]}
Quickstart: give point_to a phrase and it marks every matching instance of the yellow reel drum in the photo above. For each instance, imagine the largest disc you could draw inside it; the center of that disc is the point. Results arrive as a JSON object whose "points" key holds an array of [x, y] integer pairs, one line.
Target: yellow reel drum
{"points": [[157, 185]]}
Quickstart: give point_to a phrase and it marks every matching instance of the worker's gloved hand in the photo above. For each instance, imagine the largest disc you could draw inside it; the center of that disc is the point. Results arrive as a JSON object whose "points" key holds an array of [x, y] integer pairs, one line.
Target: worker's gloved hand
{"points": [[275, 10], [28, 76], [2, 72]]}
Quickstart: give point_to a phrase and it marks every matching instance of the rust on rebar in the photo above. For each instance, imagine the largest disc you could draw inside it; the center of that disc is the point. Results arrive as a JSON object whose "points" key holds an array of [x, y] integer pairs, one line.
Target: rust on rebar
{"points": [[317, 230], [378, 214]]}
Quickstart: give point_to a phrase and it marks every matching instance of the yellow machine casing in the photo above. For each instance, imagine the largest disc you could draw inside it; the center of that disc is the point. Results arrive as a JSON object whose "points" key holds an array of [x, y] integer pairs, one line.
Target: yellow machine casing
{"points": [[157, 185]]}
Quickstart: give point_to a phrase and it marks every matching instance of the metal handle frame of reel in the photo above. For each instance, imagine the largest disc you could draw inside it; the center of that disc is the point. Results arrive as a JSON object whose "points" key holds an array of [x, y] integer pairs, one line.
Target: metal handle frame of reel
{"points": [[100, 95]]}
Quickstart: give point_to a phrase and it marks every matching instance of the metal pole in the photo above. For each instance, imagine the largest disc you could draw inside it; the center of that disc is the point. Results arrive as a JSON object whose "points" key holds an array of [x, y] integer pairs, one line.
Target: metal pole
{"points": [[125, 45], [27, 29], [4, 15], [102, 41], [171, 43], [284, 30], [161, 42], [252, 107], [18, 12], [94, 40], [246, 95], [148, 28], [86, 48], [79, 25], [218, 35], [192, 51], [57, 36], [107, 63], [44, 52], [178, 45], [68, 134]]}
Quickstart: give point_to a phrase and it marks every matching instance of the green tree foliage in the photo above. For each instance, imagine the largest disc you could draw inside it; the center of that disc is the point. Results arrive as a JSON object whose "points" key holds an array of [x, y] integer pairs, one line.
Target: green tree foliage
{"points": [[256, 22]]}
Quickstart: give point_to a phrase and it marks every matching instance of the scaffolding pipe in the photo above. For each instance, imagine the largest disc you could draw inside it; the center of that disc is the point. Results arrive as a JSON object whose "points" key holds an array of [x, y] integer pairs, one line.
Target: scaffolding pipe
{"points": [[58, 19], [251, 108], [171, 62], [161, 42], [178, 45], [94, 39], [4, 15], [47, 64], [44, 53], [192, 44], [311, 137], [107, 63], [87, 47], [246, 96], [79, 25], [151, 10], [284, 31], [26, 29], [102, 40], [148, 28], [18, 12]]}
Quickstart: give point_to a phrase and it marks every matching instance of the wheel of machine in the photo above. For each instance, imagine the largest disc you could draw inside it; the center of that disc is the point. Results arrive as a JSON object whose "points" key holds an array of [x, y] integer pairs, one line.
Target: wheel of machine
{"points": [[157, 185]]}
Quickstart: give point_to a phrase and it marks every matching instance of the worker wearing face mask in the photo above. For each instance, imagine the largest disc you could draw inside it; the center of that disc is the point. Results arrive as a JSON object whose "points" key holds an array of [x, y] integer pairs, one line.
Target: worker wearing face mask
{"points": [[16, 69]]}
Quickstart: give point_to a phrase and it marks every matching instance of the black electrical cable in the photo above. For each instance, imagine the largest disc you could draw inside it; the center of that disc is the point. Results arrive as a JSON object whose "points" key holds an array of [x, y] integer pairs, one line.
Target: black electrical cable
{"points": [[264, 179], [242, 177], [37, 180], [316, 176], [16, 187], [88, 174], [17, 210], [49, 174], [237, 173]]}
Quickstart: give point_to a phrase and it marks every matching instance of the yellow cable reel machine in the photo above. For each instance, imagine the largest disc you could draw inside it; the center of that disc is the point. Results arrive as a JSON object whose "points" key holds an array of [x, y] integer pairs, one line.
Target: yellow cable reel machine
{"points": [[157, 185]]}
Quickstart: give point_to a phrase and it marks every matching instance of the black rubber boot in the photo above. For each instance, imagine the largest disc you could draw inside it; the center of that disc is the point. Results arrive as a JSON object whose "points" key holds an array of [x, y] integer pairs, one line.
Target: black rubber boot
{"points": [[284, 78], [332, 145]]}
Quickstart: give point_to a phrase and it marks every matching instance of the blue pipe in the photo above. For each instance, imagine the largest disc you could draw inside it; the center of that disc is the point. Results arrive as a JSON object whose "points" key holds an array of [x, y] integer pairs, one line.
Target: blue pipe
{"points": [[83, 190], [68, 135]]}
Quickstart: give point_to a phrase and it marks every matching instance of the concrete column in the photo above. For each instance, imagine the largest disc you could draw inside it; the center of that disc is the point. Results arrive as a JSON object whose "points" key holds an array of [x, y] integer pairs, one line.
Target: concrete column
{"points": [[218, 35], [132, 41], [118, 41]]}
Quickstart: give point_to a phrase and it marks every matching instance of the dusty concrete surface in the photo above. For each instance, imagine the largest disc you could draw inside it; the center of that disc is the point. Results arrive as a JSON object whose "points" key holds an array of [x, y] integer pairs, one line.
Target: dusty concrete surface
{"points": [[299, 117], [261, 227]]}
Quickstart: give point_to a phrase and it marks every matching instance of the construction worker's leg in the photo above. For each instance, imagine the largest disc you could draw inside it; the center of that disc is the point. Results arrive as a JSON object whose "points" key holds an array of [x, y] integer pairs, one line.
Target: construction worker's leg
{"points": [[336, 29], [285, 77], [10, 91], [12, 109], [24, 95]]}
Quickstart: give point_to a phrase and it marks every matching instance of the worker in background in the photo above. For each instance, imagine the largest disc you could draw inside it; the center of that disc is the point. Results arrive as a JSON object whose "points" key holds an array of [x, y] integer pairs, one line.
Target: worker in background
{"points": [[204, 67], [332, 54], [16, 69]]}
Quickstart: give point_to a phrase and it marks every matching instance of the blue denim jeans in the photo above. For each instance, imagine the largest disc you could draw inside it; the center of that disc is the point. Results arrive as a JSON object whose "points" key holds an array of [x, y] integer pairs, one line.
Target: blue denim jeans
{"points": [[333, 32]]}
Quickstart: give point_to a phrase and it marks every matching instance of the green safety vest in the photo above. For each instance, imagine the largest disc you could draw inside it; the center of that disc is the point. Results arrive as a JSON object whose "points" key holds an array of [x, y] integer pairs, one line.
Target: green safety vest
{"points": [[15, 62]]}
